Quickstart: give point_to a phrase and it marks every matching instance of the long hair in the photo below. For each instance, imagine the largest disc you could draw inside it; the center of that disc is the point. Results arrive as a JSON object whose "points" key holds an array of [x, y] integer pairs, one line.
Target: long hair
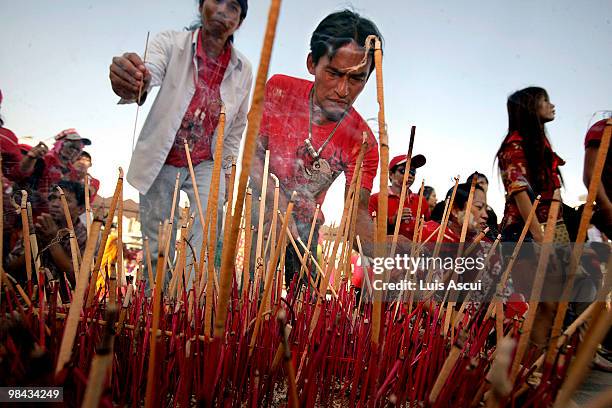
{"points": [[523, 118]]}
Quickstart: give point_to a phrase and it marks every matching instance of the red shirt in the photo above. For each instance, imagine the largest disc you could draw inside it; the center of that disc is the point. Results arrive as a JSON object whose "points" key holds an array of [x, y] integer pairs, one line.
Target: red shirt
{"points": [[284, 128], [412, 201], [516, 177], [11, 155], [202, 116], [593, 140], [43, 178]]}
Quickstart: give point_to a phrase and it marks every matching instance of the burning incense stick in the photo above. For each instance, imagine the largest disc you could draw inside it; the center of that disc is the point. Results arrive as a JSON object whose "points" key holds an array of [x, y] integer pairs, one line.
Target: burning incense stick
{"points": [[25, 225], [398, 216], [77, 301], [381, 230], [255, 114], [585, 221], [144, 60], [538, 283], [74, 246], [101, 363], [107, 229]]}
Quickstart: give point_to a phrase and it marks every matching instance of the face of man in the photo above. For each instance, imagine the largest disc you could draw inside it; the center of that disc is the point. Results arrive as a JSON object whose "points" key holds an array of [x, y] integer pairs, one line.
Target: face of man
{"points": [[397, 176], [70, 151], [56, 210], [82, 164], [336, 86], [220, 18]]}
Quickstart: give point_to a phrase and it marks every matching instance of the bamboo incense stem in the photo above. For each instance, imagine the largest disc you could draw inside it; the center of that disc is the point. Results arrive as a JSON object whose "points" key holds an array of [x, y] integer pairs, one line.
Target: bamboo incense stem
{"points": [[262, 209], [76, 306], [304, 268], [504, 278], [254, 119], [284, 333], [449, 363], [248, 236], [466, 219], [418, 214], [87, 203], [571, 329], [398, 216], [383, 195], [120, 272], [101, 363], [149, 263], [578, 247], [33, 240], [144, 60], [74, 246], [150, 399], [272, 266], [107, 230], [536, 290], [25, 225]]}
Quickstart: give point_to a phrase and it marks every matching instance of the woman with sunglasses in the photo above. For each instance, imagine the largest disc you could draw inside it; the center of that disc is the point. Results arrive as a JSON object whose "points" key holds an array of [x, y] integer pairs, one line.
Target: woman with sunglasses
{"points": [[397, 168]]}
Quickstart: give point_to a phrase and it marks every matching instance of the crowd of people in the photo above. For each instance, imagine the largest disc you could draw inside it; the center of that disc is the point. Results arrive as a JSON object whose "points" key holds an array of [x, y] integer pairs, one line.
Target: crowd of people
{"points": [[312, 134], [44, 173]]}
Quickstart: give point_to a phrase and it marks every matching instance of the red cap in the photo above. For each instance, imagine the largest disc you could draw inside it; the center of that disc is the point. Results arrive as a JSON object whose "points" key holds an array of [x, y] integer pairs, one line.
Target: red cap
{"points": [[416, 162]]}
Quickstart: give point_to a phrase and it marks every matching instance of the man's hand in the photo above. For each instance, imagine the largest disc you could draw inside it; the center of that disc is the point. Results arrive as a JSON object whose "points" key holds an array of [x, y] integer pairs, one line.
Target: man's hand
{"points": [[129, 76], [407, 214], [46, 227], [38, 151]]}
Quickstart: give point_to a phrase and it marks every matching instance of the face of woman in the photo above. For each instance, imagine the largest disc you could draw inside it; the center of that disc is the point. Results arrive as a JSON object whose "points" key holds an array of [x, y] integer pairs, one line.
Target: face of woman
{"points": [[478, 213], [220, 18], [546, 110], [433, 200]]}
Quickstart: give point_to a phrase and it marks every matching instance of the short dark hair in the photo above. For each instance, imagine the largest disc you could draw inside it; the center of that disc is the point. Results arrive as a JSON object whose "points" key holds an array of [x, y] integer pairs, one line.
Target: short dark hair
{"points": [[462, 194], [339, 29], [75, 188], [85, 154], [477, 175], [244, 6]]}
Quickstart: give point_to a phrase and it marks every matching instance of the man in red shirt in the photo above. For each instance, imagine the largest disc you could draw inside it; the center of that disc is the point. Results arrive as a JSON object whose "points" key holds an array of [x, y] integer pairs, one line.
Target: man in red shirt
{"points": [[397, 168], [313, 133]]}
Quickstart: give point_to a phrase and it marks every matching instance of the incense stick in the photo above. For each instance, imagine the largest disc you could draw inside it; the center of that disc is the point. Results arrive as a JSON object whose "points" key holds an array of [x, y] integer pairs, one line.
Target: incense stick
{"points": [[140, 92]]}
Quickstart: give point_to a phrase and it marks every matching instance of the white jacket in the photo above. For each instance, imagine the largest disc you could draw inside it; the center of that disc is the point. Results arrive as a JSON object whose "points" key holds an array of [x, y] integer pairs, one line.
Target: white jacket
{"points": [[172, 62]]}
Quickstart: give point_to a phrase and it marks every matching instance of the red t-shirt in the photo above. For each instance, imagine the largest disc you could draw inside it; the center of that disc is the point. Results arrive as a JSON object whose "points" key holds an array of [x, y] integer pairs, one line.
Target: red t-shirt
{"points": [[202, 116], [11, 155], [412, 201], [593, 140], [284, 128]]}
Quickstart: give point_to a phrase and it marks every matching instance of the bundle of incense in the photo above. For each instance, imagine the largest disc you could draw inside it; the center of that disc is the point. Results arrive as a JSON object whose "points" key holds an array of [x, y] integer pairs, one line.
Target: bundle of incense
{"points": [[255, 114], [74, 246]]}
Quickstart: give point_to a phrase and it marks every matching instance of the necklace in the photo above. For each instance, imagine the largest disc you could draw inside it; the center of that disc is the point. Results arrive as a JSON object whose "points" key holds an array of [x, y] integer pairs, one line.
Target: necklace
{"points": [[320, 171]]}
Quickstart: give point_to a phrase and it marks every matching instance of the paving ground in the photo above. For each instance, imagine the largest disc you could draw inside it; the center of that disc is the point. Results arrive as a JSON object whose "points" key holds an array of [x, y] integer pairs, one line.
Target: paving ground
{"points": [[596, 382]]}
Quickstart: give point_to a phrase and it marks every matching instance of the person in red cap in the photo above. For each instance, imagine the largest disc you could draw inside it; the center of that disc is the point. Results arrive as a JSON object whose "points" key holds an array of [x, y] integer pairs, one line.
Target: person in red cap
{"points": [[41, 168], [11, 154], [397, 169], [602, 218]]}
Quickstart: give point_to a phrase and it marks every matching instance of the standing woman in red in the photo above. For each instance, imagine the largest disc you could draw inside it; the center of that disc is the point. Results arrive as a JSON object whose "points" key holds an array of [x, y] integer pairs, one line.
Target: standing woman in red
{"points": [[529, 167]]}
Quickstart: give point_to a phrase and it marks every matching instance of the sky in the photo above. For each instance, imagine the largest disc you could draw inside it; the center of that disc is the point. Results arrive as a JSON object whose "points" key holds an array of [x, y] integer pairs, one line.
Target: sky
{"points": [[449, 67]]}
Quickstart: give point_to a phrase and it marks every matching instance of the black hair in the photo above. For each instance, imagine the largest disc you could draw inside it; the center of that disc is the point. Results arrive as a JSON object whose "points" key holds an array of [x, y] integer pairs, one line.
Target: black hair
{"points": [[523, 118], [427, 190], [243, 13], [462, 195], [85, 154], [477, 175], [76, 188], [339, 29]]}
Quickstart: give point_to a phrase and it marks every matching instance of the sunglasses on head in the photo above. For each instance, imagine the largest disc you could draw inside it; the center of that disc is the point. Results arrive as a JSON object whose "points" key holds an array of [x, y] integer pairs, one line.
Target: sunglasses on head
{"points": [[412, 171]]}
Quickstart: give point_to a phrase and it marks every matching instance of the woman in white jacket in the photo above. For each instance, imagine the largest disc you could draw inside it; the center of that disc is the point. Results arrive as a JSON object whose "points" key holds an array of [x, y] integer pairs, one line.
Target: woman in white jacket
{"points": [[197, 72]]}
